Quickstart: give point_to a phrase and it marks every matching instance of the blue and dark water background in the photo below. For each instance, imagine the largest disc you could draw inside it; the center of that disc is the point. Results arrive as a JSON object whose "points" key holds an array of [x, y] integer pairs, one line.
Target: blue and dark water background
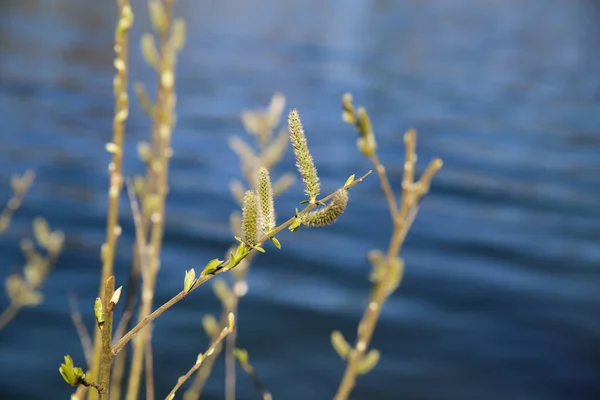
{"points": [[501, 297]]}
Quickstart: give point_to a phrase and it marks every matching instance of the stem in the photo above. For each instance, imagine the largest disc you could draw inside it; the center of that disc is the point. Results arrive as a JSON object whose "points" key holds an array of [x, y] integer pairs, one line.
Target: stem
{"points": [[106, 331], [195, 390], [230, 360], [385, 185], [115, 168], [203, 279], [163, 121], [82, 332], [8, 314], [224, 332], [403, 220]]}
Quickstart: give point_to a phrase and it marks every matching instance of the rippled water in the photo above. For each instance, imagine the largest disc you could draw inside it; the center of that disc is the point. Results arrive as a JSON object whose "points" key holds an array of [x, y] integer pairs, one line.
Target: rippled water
{"points": [[501, 298]]}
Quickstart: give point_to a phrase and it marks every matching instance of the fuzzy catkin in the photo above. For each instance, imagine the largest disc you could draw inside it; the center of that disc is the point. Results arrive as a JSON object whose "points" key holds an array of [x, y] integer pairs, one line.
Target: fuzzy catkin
{"points": [[250, 218], [329, 213], [265, 200], [304, 161]]}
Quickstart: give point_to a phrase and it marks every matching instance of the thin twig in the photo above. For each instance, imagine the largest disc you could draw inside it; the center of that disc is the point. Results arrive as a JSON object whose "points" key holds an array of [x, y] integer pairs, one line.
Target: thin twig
{"points": [[224, 268], [8, 314], [249, 369], [224, 332], [195, 390], [163, 121], [82, 332], [230, 360]]}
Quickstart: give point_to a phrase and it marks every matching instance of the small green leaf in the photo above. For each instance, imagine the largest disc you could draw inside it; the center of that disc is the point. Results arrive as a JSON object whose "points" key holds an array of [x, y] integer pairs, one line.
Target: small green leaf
{"points": [[189, 280], [211, 267], [340, 345], [258, 248], [276, 242], [99, 312], [368, 362], [295, 225], [305, 202], [73, 376]]}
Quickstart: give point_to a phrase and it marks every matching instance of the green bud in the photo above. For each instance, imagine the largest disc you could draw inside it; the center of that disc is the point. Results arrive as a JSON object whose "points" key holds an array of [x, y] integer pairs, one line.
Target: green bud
{"points": [[149, 51], [304, 161], [295, 225], [276, 242], [349, 180], [368, 362], [158, 15], [395, 276], [348, 112], [99, 312], [231, 321], [340, 345], [178, 34], [189, 280]]}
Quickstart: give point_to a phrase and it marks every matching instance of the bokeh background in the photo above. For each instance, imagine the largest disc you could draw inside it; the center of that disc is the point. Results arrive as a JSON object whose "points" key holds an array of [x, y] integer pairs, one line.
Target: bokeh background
{"points": [[501, 297]]}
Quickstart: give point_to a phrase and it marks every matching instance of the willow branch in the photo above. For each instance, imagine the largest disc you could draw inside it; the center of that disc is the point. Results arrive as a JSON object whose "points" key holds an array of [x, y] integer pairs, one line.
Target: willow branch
{"points": [[116, 147], [195, 390], [224, 268], [224, 332], [412, 193]]}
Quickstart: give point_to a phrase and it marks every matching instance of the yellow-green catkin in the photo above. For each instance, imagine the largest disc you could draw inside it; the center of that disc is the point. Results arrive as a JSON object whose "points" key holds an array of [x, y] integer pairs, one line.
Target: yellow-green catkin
{"points": [[304, 161], [250, 218], [328, 214], [265, 199]]}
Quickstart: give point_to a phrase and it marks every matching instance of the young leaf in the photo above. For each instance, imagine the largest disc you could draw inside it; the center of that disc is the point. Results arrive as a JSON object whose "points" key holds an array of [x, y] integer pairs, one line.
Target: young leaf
{"points": [[211, 267], [189, 280]]}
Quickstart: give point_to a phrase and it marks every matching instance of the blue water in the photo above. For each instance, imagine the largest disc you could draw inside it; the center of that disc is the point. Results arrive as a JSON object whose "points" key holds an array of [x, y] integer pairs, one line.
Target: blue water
{"points": [[501, 297]]}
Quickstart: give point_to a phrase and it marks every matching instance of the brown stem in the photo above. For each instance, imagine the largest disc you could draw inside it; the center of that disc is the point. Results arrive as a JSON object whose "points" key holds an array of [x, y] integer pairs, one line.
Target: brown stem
{"points": [[224, 332], [106, 331], [115, 168]]}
